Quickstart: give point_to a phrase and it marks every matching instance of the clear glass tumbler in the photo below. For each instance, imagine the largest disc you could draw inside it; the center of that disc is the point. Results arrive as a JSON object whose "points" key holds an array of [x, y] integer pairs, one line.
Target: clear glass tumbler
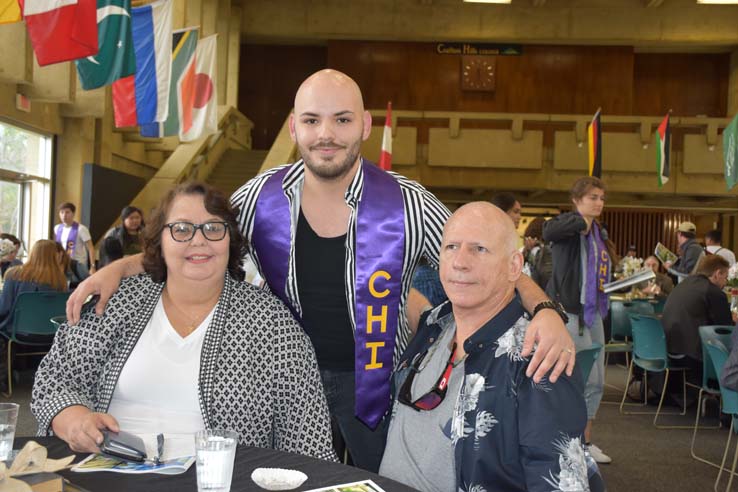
{"points": [[216, 451], [8, 420]]}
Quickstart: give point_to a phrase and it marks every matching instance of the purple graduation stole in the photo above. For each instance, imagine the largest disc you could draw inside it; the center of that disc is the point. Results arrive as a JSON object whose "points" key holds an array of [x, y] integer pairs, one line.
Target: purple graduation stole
{"points": [[71, 239], [380, 250], [598, 273]]}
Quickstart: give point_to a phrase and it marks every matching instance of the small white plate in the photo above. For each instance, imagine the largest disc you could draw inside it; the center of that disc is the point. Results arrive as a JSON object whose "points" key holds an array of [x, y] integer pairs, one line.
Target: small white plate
{"points": [[278, 478]]}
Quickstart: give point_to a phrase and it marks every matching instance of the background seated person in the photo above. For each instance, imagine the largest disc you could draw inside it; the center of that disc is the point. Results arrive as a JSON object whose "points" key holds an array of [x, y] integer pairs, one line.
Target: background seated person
{"points": [[186, 345], [466, 416], [10, 259], [75, 271], [125, 239], [662, 285], [42, 272], [696, 301]]}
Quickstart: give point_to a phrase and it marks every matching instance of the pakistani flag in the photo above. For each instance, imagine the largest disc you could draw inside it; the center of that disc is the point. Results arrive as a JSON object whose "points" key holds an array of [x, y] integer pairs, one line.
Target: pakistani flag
{"points": [[116, 58], [730, 147], [184, 44], [663, 150]]}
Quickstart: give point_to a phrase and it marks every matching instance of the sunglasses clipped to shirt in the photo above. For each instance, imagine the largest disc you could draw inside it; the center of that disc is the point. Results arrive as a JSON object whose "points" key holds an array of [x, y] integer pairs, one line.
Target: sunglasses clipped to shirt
{"points": [[435, 396], [185, 231]]}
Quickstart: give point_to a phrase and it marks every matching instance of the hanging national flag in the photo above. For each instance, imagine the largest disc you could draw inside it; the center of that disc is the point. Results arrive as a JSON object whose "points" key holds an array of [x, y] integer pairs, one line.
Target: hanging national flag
{"points": [[61, 30], [184, 45], [730, 149], [115, 58], [385, 157], [198, 97], [9, 11], [594, 137], [663, 150], [152, 40], [124, 101]]}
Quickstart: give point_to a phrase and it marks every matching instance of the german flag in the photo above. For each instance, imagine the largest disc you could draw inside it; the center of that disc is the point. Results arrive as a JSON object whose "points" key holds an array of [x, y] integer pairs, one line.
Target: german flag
{"points": [[594, 137]]}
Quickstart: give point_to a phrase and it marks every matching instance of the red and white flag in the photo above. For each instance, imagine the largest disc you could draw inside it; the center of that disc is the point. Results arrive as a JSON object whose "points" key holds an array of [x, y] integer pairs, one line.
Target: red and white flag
{"points": [[61, 30], [198, 99], [385, 158]]}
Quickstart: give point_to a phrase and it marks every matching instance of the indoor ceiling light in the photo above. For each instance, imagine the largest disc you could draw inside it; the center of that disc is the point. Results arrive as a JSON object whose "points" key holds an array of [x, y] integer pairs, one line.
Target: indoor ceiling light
{"points": [[493, 1], [719, 2]]}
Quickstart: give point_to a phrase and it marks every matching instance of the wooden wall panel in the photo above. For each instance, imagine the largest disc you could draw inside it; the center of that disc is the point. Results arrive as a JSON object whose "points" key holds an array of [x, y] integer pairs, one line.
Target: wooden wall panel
{"points": [[644, 228], [688, 84], [545, 79], [268, 79]]}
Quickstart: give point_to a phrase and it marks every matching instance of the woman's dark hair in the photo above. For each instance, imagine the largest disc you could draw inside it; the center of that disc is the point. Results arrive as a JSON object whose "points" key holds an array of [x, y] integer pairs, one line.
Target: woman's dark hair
{"points": [[215, 203], [126, 239], [535, 228], [504, 201]]}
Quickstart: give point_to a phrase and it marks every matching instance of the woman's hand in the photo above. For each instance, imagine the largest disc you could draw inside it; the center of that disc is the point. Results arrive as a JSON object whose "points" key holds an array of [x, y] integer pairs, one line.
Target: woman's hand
{"points": [[81, 428], [555, 347]]}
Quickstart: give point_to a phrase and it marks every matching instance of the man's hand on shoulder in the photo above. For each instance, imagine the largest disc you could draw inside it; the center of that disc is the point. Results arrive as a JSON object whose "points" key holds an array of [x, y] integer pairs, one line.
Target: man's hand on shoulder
{"points": [[555, 347], [103, 283]]}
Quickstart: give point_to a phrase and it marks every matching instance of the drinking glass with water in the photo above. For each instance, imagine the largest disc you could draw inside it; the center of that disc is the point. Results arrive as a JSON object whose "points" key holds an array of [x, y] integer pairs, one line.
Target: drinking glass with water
{"points": [[8, 420], [216, 451]]}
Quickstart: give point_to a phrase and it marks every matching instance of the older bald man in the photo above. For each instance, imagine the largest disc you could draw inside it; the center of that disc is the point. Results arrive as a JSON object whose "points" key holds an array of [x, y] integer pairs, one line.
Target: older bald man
{"points": [[466, 416], [337, 239]]}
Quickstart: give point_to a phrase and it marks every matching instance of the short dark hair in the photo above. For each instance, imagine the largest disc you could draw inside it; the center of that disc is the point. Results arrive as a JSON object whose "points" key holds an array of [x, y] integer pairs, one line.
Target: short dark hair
{"points": [[10, 238], [130, 209], [215, 203], [688, 235], [67, 205], [535, 228], [504, 201], [715, 236], [711, 263]]}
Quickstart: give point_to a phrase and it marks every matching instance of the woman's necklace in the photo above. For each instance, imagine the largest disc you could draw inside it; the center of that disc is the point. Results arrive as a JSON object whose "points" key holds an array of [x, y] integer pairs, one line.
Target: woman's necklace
{"points": [[191, 323]]}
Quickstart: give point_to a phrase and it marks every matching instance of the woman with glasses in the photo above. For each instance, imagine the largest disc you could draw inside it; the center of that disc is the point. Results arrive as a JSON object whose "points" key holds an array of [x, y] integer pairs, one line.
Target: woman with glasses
{"points": [[186, 346]]}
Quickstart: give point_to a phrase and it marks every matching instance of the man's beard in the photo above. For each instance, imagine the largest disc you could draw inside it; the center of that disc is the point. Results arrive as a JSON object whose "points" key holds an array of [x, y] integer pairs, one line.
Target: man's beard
{"points": [[330, 170]]}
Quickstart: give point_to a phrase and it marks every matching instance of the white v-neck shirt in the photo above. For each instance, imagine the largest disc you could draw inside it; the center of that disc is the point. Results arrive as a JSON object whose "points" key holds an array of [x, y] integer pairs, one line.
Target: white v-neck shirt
{"points": [[157, 388]]}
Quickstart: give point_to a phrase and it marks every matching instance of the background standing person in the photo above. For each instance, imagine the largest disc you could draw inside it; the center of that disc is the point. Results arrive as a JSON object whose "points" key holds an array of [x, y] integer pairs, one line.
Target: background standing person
{"points": [[74, 237], [338, 239], [690, 252], [537, 254], [714, 245], [581, 266]]}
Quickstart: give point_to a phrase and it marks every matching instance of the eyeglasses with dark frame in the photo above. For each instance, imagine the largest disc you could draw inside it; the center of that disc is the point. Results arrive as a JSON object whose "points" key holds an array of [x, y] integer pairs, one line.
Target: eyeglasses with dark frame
{"points": [[435, 396], [185, 231]]}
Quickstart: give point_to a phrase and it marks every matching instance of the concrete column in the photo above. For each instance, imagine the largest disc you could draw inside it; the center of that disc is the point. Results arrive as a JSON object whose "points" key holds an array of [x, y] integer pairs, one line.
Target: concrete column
{"points": [[223, 24], [733, 85], [234, 58]]}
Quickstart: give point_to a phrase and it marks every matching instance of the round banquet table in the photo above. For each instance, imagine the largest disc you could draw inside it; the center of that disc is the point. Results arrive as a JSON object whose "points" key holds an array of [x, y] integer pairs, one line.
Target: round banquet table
{"points": [[320, 473]]}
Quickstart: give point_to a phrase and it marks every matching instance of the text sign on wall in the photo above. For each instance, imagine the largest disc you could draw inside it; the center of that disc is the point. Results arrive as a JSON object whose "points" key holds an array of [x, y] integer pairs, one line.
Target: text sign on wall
{"points": [[478, 49]]}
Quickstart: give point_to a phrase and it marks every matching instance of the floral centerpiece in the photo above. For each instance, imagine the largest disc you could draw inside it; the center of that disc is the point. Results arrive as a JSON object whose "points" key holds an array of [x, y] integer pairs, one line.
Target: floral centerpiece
{"points": [[631, 265], [733, 276]]}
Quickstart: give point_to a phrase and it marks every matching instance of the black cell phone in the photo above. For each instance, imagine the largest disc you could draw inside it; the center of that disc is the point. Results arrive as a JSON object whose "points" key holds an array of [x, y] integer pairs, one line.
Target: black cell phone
{"points": [[123, 445]]}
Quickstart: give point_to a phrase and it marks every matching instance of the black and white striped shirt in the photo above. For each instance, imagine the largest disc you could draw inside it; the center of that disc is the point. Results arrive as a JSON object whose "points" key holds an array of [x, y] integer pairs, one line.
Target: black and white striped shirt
{"points": [[425, 216]]}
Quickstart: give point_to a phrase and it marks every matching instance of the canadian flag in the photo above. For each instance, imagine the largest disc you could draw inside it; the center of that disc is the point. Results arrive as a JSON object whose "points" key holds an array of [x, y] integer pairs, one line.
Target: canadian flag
{"points": [[385, 158], [61, 30]]}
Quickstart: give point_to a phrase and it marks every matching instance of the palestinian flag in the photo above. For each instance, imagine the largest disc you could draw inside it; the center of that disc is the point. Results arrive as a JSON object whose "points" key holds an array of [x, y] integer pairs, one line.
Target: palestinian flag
{"points": [[184, 44], [663, 144], [594, 137]]}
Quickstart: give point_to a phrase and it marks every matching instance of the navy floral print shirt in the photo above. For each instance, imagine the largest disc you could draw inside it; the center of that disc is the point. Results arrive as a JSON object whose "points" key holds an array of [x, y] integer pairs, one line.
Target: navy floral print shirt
{"points": [[509, 433]]}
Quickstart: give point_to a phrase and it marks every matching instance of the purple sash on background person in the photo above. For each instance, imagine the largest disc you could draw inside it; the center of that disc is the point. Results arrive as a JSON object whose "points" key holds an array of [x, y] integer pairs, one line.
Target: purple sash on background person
{"points": [[598, 273], [380, 251], [71, 239], [380, 247], [271, 235]]}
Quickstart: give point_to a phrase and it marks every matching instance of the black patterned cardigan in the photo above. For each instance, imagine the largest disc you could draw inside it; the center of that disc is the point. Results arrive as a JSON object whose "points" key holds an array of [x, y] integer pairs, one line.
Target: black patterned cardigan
{"points": [[258, 373]]}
